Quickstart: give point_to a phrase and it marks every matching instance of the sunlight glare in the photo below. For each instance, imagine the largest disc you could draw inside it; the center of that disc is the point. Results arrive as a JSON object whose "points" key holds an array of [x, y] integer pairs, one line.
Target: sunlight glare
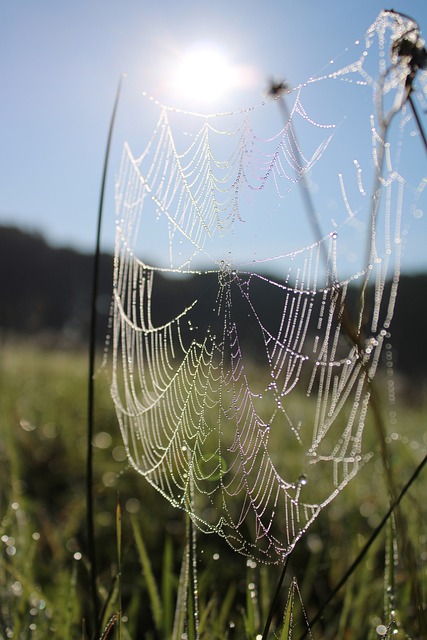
{"points": [[204, 75]]}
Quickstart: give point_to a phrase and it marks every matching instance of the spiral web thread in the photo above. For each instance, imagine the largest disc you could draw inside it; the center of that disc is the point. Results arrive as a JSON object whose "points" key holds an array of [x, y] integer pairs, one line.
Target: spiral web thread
{"points": [[252, 421]]}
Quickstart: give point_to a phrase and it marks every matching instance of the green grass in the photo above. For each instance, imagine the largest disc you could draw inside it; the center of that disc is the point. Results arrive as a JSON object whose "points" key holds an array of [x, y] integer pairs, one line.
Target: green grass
{"points": [[44, 577]]}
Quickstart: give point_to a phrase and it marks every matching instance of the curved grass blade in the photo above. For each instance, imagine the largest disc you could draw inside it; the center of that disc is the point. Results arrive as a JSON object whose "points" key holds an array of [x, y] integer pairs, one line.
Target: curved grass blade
{"points": [[286, 633], [90, 520], [153, 592]]}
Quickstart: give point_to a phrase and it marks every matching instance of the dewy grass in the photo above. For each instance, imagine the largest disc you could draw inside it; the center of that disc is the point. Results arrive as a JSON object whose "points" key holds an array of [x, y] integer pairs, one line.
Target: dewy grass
{"points": [[287, 628], [161, 622], [388, 518], [51, 504], [167, 586]]}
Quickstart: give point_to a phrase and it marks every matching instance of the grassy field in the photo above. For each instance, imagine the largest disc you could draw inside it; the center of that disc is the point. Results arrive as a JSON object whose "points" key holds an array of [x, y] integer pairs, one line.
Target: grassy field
{"points": [[141, 539]]}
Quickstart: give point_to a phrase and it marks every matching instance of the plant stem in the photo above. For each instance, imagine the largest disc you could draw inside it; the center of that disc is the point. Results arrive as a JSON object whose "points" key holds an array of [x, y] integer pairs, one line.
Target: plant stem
{"points": [[305, 190], [91, 390], [418, 121], [368, 544], [193, 608], [275, 600]]}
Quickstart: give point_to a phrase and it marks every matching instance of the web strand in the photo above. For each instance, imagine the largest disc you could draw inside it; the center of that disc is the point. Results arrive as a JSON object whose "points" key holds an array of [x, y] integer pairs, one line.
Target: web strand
{"points": [[244, 401]]}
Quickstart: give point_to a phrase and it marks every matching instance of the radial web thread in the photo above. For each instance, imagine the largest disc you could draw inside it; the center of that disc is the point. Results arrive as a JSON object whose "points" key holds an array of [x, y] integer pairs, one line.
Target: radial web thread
{"points": [[243, 401]]}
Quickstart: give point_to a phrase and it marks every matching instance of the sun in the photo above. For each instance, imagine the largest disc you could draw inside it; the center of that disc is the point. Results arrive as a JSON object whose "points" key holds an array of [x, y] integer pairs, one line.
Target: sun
{"points": [[204, 75]]}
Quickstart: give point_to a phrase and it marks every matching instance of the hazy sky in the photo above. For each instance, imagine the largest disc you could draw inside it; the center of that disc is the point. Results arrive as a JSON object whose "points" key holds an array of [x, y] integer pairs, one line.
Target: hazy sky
{"points": [[61, 61]]}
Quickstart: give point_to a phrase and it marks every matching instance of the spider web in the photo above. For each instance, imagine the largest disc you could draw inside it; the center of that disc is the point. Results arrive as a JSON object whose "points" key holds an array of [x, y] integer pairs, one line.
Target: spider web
{"points": [[243, 398]]}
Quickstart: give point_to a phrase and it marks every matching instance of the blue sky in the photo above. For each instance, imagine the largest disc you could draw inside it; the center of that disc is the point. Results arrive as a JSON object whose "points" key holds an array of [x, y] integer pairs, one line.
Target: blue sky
{"points": [[60, 64]]}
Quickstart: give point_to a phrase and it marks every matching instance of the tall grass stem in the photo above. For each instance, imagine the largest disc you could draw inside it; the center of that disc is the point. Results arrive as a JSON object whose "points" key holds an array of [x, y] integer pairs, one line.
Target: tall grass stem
{"points": [[119, 560], [305, 189], [368, 544], [418, 121], [275, 600], [91, 384]]}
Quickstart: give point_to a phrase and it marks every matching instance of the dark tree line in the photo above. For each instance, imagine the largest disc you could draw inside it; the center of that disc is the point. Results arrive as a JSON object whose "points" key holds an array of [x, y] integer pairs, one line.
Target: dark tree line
{"points": [[46, 291]]}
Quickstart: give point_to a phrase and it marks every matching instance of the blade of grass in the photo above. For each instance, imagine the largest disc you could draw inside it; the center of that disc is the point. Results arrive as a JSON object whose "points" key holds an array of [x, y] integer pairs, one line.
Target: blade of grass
{"points": [[249, 614], [181, 601], [368, 544], [109, 599], [193, 594], [155, 601], [119, 561], [264, 591], [226, 607], [90, 520], [286, 633], [193, 612], [109, 626], [275, 600], [205, 622], [167, 588], [389, 573]]}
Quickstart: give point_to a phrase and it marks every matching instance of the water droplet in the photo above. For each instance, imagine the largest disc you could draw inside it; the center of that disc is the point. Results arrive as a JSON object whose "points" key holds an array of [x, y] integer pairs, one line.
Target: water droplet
{"points": [[302, 480]]}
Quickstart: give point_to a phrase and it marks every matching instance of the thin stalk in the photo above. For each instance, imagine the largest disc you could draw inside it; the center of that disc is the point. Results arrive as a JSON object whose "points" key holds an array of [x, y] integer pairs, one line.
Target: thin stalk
{"points": [[193, 609], [275, 600], [182, 596], [304, 187], [119, 561], [109, 626], [368, 544], [417, 119], [354, 332], [91, 386]]}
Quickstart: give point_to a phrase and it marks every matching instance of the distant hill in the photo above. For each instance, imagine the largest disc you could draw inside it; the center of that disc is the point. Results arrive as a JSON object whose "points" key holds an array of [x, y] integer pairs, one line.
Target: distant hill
{"points": [[45, 292]]}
